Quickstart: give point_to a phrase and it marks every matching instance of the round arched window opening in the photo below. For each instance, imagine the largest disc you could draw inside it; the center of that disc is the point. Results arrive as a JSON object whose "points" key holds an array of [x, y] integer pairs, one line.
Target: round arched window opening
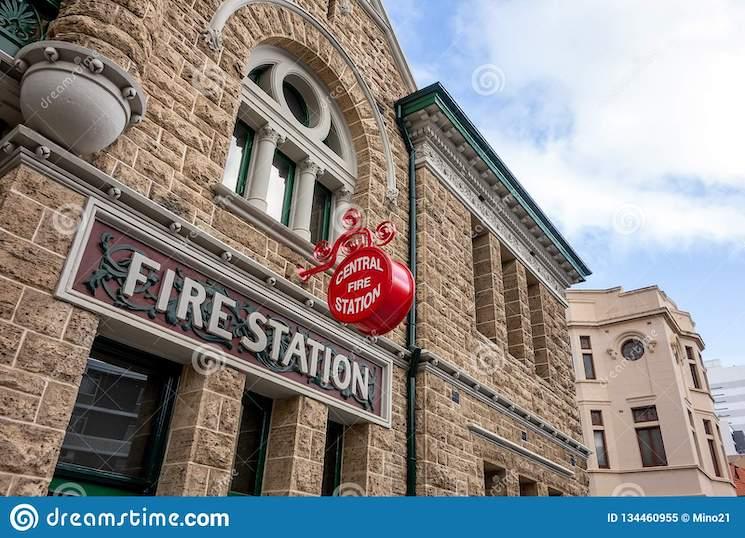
{"points": [[261, 77], [632, 349], [332, 141], [301, 100]]}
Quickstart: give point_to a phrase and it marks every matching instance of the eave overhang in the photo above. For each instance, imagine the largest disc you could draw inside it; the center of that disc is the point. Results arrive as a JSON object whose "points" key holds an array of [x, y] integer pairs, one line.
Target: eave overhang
{"points": [[436, 97]]}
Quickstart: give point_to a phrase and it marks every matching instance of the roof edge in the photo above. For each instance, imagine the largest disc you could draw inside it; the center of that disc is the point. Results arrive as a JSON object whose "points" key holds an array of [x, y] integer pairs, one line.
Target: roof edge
{"points": [[437, 94]]}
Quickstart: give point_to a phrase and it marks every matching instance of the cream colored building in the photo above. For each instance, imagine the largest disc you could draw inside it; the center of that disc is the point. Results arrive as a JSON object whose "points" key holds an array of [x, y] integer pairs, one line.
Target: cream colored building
{"points": [[644, 397]]}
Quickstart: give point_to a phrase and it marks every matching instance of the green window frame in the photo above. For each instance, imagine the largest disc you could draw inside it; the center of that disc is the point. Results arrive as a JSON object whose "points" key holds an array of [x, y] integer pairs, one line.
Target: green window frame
{"points": [[242, 132], [332, 459], [100, 482], [326, 197], [289, 186], [255, 403]]}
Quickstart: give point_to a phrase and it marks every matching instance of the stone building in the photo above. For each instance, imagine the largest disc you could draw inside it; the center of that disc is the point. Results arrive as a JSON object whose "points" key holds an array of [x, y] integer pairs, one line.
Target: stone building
{"points": [[166, 167], [644, 397]]}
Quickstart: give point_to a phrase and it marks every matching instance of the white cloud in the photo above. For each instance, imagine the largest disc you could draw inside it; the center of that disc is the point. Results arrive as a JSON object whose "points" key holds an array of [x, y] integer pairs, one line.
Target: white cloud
{"points": [[611, 104]]}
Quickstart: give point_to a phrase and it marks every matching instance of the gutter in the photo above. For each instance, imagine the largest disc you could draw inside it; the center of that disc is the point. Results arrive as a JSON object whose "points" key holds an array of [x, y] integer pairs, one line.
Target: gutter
{"points": [[416, 352]]}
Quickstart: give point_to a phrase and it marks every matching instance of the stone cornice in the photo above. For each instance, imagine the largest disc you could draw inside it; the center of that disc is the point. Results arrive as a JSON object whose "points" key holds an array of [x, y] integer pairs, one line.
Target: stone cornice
{"points": [[459, 378], [494, 213]]}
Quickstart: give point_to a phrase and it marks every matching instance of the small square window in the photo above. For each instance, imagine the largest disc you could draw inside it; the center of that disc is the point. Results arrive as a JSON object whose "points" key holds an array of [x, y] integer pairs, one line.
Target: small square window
{"points": [[707, 427], [645, 414], [584, 342]]}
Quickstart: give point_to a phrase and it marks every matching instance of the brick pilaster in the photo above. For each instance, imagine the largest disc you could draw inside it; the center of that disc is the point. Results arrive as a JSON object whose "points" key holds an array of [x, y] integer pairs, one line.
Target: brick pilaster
{"points": [[44, 343], [519, 332], [297, 439], [489, 289], [204, 433]]}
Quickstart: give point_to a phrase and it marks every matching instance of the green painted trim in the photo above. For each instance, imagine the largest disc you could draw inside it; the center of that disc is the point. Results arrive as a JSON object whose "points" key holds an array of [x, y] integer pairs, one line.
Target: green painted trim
{"points": [[289, 186], [248, 133], [437, 95]]}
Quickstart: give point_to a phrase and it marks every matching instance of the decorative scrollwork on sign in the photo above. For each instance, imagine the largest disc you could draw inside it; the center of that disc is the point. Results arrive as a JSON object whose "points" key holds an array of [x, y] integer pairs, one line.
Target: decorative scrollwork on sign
{"points": [[355, 236], [24, 21]]}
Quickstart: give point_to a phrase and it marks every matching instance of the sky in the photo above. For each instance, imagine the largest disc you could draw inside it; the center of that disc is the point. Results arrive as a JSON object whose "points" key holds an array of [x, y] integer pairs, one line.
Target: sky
{"points": [[625, 120]]}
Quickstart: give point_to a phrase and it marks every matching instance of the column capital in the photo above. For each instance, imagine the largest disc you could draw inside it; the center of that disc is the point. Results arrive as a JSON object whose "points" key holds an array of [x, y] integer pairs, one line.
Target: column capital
{"points": [[309, 166], [271, 134]]}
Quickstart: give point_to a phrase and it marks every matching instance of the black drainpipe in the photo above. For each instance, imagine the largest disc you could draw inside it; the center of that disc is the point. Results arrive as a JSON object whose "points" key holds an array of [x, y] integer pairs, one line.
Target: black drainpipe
{"points": [[416, 352]]}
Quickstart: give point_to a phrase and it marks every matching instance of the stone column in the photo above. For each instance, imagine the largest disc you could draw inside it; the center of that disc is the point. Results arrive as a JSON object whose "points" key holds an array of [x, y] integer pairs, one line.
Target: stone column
{"points": [[519, 333], [122, 30], [204, 433], [363, 461], [267, 141], [44, 342], [309, 171], [297, 442]]}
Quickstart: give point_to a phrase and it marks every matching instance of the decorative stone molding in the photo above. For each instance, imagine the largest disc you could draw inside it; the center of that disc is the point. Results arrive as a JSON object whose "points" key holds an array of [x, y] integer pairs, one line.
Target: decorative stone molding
{"points": [[75, 96], [270, 134], [494, 212], [309, 166]]}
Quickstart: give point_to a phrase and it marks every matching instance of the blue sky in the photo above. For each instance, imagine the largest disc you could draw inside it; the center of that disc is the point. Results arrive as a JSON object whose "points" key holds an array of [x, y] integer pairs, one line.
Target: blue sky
{"points": [[625, 120]]}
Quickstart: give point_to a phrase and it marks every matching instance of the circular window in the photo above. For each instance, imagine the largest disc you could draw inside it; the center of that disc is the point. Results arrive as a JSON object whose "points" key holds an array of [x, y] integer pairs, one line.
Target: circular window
{"points": [[632, 349]]}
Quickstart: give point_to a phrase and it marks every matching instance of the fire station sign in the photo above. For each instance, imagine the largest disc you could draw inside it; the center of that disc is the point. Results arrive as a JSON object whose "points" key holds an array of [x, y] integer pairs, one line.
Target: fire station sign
{"points": [[116, 269]]}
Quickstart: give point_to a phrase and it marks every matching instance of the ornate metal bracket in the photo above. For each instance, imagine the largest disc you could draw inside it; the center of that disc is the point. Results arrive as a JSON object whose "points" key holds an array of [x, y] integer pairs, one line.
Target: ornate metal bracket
{"points": [[355, 237]]}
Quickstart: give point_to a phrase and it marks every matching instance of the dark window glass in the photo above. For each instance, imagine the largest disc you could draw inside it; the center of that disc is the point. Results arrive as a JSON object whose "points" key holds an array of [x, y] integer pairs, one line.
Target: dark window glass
{"points": [[689, 353], [584, 342], [260, 76], [645, 414], [714, 458], [589, 365], [596, 418], [250, 453], [601, 451], [239, 157], [118, 426], [694, 376], [651, 446], [297, 104], [332, 141], [320, 215], [528, 487], [707, 427], [332, 458], [279, 195]]}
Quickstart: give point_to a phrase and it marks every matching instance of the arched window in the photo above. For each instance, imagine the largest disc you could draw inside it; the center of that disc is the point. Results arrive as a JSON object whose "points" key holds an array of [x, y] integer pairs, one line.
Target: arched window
{"points": [[291, 154]]}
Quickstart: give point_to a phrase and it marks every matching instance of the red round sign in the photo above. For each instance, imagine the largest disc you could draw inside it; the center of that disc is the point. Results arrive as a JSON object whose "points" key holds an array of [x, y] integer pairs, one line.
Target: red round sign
{"points": [[370, 291]]}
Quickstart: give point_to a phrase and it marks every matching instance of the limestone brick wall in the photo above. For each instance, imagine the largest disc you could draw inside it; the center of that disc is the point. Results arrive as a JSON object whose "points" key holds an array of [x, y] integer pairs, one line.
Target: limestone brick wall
{"points": [[451, 462], [44, 343], [451, 458], [177, 154]]}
